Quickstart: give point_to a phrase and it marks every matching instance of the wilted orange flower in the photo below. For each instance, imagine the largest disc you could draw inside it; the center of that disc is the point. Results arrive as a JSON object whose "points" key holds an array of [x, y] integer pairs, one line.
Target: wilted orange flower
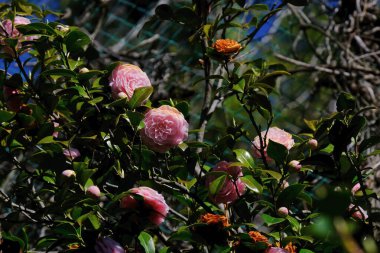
{"points": [[226, 46], [74, 246], [258, 237], [289, 247], [210, 218]]}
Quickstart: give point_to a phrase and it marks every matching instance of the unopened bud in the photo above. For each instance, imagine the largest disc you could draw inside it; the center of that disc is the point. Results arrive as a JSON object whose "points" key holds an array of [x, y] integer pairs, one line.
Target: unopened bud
{"points": [[313, 144], [68, 173], [83, 70], [295, 165], [283, 211], [62, 28], [93, 191]]}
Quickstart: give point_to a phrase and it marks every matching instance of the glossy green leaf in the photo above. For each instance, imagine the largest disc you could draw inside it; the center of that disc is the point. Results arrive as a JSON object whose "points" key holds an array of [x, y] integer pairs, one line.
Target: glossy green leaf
{"points": [[146, 242], [277, 152], [139, 96], [290, 194], [6, 116], [217, 184], [269, 220], [252, 184], [244, 157]]}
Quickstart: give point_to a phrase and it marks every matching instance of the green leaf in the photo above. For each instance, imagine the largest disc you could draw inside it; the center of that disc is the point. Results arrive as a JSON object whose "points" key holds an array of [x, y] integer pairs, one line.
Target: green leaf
{"points": [[239, 87], [269, 220], [277, 152], [293, 238], [94, 221], [306, 251], [345, 102], [47, 140], [59, 73], [139, 96], [296, 226], [36, 28], [244, 157], [76, 41], [146, 242], [6, 116], [289, 194], [217, 184], [312, 124], [259, 7], [276, 175], [252, 184]]}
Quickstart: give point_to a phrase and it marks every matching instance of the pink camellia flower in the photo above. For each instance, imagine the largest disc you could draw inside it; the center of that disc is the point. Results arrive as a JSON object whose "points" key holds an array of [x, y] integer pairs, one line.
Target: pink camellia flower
{"points": [[107, 245], [165, 127], [93, 191], [355, 188], [232, 188], [153, 203], [276, 250], [12, 98], [71, 153], [125, 78], [313, 144], [68, 173], [283, 211], [10, 31], [274, 134], [357, 212], [295, 165]]}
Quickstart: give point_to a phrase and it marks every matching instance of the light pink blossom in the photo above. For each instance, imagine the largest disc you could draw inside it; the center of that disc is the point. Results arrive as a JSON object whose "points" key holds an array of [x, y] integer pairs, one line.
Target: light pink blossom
{"points": [[165, 127], [10, 29], [274, 134], [357, 212], [355, 188], [295, 165], [313, 144], [232, 188], [93, 191], [125, 78], [68, 173], [283, 211], [107, 245], [153, 202], [71, 153]]}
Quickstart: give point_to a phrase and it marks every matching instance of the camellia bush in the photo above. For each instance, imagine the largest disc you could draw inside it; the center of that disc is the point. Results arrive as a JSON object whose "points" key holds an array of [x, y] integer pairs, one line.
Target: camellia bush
{"points": [[90, 164]]}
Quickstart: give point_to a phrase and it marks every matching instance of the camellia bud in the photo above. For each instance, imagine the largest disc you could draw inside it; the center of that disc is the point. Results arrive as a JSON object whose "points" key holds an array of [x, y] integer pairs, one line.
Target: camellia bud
{"points": [[283, 211], [295, 166], [313, 144], [63, 28], [83, 70], [355, 188], [68, 173], [93, 191]]}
